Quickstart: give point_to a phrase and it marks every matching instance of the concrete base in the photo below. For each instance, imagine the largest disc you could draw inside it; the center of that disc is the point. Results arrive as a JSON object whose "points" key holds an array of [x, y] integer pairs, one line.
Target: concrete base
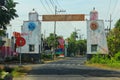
{"points": [[27, 57]]}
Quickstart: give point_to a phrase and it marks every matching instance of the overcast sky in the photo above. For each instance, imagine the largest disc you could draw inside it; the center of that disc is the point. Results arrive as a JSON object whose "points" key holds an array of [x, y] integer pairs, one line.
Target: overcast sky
{"points": [[104, 8]]}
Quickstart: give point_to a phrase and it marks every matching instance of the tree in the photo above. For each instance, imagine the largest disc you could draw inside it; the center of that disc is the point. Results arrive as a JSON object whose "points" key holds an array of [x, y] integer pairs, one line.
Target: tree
{"points": [[117, 25], [7, 13], [76, 46], [72, 44], [113, 39], [82, 46], [2, 33], [52, 40]]}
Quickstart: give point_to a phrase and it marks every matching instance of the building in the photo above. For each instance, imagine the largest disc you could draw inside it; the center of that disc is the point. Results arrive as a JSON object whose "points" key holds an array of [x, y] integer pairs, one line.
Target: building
{"points": [[31, 32], [5, 48], [96, 38]]}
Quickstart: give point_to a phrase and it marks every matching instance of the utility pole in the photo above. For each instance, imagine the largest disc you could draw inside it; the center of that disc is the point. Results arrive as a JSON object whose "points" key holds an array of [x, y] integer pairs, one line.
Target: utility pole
{"points": [[55, 21], [108, 28], [110, 21], [54, 33], [55, 29]]}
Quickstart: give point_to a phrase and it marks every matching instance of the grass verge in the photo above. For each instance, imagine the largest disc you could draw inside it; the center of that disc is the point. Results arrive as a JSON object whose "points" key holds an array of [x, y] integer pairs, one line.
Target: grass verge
{"points": [[14, 71]]}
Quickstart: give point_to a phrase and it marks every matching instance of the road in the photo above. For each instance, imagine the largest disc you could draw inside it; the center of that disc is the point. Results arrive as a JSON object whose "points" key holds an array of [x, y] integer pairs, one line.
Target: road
{"points": [[71, 69]]}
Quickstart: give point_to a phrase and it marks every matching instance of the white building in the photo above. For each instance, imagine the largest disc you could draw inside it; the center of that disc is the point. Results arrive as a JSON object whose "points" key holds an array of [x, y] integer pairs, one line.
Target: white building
{"points": [[96, 38], [31, 32]]}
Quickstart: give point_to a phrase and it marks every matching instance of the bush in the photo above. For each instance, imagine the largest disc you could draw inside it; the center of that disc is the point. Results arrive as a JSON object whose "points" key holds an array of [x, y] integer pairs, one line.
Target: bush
{"points": [[113, 62], [117, 56], [99, 58], [56, 55], [46, 57], [5, 71], [8, 69]]}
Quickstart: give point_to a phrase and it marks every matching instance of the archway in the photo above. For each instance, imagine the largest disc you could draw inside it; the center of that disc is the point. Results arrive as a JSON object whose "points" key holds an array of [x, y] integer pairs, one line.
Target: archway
{"points": [[96, 39]]}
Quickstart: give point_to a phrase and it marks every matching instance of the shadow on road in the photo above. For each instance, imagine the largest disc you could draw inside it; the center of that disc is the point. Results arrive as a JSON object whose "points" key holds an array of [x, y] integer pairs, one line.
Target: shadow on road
{"points": [[73, 67], [82, 72]]}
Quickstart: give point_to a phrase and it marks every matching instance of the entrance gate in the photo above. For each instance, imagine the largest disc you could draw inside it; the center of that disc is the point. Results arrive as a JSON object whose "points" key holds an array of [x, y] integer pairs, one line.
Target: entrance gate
{"points": [[96, 38]]}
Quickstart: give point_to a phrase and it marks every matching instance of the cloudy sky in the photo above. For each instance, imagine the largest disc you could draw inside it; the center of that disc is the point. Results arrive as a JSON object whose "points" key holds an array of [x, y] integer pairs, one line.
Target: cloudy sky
{"points": [[104, 8]]}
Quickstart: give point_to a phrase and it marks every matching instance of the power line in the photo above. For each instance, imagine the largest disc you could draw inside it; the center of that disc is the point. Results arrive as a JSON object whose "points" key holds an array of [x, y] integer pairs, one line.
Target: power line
{"points": [[108, 8], [57, 3], [44, 6], [114, 8], [52, 3], [48, 6], [66, 24]]}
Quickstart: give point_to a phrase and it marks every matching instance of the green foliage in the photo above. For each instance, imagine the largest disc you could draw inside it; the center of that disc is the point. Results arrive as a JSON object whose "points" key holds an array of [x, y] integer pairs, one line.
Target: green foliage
{"points": [[117, 25], [5, 72], [2, 33], [113, 41], [76, 46], [71, 46], [106, 59], [52, 40], [7, 13], [73, 36], [82, 46], [117, 56], [13, 71], [46, 56], [8, 69], [98, 58]]}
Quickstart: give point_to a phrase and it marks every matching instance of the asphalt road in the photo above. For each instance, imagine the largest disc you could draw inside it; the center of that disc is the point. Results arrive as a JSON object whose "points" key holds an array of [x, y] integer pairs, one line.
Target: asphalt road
{"points": [[71, 69]]}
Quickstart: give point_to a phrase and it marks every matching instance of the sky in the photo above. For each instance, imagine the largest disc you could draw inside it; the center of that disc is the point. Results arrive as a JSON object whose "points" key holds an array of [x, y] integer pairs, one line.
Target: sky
{"points": [[104, 8]]}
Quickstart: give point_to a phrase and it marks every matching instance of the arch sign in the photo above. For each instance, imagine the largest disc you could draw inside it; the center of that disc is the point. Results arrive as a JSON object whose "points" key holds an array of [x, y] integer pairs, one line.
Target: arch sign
{"points": [[64, 17], [96, 39]]}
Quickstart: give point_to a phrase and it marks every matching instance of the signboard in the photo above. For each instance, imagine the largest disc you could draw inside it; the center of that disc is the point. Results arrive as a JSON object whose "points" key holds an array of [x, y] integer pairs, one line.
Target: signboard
{"points": [[62, 17], [24, 34], [20, 41]]}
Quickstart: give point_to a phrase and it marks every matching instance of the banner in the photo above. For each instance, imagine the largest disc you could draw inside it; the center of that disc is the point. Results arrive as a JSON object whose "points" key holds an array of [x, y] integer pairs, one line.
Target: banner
{"points": [[16, 34]]}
